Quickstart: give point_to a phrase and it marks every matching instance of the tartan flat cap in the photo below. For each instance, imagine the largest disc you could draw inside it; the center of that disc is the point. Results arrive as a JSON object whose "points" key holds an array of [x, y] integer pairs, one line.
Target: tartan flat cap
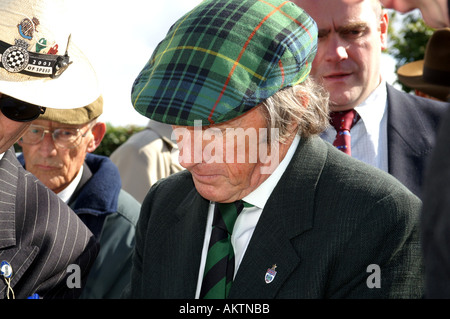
{"points": [[223, 58]]}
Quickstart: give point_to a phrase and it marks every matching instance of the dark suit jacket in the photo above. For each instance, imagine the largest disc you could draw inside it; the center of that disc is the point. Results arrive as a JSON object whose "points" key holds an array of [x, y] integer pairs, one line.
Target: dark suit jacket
{"points": [[329, 218], [412, 129], [40, 236], [436, 216]]}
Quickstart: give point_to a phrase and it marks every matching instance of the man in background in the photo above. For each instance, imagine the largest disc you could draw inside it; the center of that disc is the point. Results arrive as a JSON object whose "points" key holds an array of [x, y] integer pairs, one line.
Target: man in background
{"points": [[391, 130], [56, 149], [145, 158]]}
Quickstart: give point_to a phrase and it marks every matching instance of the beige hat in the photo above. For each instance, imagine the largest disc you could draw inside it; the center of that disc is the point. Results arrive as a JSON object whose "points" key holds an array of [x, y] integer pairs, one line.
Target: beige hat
{"points": [[76, 116], [432, 74], [39, 63]]}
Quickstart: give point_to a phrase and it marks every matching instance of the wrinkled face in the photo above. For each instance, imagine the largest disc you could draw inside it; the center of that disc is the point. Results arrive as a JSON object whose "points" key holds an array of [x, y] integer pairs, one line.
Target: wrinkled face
{"points": [[54, 166], [229, 160], [352, 35]]}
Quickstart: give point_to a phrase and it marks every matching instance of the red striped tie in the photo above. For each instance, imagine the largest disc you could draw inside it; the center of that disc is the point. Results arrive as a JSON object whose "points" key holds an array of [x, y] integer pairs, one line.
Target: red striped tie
{"points": [[343, 121]]}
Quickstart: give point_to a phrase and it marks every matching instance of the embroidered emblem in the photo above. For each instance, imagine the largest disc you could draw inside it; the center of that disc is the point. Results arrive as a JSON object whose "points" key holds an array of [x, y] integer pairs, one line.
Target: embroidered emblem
{"points": [[41, 44], [270, 274], [27, 27], [16, 57]]}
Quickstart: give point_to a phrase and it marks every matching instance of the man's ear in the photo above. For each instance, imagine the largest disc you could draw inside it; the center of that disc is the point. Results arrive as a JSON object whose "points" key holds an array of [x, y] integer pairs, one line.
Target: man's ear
{"points": [[98, 132], [384, 23]]}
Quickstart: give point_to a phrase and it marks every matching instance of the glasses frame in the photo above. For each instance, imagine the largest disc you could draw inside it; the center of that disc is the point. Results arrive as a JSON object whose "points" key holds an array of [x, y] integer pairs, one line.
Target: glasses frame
{"points": [[45, 131]]}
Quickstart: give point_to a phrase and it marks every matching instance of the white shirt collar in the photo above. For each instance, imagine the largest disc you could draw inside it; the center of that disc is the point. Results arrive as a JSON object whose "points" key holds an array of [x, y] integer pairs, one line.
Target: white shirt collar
{"points": [[261, 194], [373, 109], [67, 192]]}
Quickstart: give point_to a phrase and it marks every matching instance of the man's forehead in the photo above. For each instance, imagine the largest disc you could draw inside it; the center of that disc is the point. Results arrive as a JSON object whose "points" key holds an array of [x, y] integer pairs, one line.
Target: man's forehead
{"points": [[54, 124], [338, 12], [249, 119]]}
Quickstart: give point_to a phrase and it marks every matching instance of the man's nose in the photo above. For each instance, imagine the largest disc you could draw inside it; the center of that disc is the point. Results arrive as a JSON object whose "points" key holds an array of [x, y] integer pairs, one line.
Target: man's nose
{"points": [[47, 144], [335, 49]]}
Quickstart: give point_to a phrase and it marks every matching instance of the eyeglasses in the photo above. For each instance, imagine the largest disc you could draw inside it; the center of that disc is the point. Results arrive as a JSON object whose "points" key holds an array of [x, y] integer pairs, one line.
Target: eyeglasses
{"points": [[62, 137], [19, 111]]}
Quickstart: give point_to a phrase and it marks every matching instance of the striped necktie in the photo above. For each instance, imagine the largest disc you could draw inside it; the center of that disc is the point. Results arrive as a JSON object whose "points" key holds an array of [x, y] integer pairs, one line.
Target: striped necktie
{"points": [[343, 122], [219, 267]]}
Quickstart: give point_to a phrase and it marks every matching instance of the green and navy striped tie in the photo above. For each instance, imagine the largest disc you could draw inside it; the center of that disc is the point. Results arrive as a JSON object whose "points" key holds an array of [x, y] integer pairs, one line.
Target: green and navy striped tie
{"points": [[219, 267]]}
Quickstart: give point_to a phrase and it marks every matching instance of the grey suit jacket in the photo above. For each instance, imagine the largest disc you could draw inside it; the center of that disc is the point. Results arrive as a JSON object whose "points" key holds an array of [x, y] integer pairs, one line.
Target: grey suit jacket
{"points": [[412, 128], [40, 236], [328, 219]]}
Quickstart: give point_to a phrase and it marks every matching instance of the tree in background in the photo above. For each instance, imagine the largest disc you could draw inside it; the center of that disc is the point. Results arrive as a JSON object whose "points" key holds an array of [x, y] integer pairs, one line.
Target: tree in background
{"points": [[408, 37], [114, 137]]}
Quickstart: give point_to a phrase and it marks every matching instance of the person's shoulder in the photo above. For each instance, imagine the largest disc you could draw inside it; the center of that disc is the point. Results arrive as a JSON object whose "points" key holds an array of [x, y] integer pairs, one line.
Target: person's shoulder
{"points": [[128, 207], [141, 140], [176, 182], [169, 189], [362, 179], [423, 104]]}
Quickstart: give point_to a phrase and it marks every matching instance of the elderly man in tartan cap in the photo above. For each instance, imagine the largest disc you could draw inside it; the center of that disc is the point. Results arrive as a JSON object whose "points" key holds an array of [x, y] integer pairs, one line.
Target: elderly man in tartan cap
{"points": [[265, 208]]}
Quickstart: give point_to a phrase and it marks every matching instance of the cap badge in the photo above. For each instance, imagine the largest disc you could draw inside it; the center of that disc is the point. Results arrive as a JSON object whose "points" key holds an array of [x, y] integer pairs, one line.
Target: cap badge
{"points": [[27, 27], [15, 58]]}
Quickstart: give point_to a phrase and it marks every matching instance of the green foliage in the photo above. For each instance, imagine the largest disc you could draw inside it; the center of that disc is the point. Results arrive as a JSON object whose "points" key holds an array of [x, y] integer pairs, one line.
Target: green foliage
{"points": [[408, 38], [114, 137]]}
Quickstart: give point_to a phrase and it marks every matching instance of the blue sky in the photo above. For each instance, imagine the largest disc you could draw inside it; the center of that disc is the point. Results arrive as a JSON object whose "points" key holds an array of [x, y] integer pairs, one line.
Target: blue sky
{"points": [[120, 36]]}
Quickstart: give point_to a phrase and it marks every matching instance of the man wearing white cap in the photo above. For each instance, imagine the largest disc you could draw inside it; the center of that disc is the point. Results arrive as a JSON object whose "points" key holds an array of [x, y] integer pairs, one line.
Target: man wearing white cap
{"points": [[46, 250]]}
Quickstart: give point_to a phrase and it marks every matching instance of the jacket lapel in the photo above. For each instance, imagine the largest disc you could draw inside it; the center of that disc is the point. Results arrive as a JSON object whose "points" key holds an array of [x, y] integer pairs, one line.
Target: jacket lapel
{"points": [[191, 227], [8, 187], [287, 214], [406, 148], [20, 255]]}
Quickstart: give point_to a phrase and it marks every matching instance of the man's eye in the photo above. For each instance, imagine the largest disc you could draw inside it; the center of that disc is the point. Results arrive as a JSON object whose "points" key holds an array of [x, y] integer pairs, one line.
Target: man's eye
{"points": [[66, 134], [353, 33]]}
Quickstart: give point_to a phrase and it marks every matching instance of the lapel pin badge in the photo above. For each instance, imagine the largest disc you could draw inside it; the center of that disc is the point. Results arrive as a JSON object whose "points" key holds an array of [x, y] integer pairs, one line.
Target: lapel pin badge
{"points": [[6, 271], [270, 274]]}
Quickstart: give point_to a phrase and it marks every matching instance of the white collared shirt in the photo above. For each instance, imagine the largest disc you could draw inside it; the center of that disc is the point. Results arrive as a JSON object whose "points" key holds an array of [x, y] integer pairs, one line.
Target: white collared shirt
{"points": [[248, 218], [67, 192], [369, 134]]}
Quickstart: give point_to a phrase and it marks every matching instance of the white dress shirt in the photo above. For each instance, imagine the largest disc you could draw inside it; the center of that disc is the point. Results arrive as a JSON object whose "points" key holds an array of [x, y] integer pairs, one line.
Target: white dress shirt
{"points": [[248, 218], [369, 134], [67, 192]]}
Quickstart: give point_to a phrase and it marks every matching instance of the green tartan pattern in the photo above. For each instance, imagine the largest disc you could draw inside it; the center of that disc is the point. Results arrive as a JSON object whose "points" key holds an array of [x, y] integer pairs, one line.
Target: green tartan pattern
{"points": [[223, 58]]}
